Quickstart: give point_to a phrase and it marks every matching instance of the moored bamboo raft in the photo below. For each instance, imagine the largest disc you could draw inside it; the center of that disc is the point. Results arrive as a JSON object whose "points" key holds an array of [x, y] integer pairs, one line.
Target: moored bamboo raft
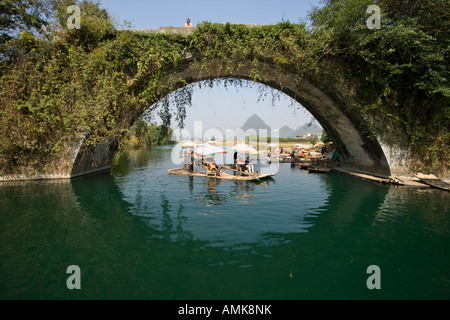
{"points": [[433, 181], [247, 177]]}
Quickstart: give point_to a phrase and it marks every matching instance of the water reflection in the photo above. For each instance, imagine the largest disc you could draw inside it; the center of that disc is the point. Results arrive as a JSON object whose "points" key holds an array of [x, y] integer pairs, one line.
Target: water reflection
{"points": [[47, 226], [129, 160], [245, 190], [348, 197], [429, 205], [212, 195], [217, 211], [141, 234]]}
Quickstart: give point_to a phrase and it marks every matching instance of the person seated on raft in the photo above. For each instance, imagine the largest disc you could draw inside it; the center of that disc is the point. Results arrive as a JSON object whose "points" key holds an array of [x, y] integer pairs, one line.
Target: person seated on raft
{"points": [[206, 165], [240, 165], [212, 166], [249, 165], [216, 168]]}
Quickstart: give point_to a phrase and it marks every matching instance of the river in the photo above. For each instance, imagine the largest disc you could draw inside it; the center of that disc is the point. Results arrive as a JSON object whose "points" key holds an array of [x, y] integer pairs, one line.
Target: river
{"points": [[138, 233]]}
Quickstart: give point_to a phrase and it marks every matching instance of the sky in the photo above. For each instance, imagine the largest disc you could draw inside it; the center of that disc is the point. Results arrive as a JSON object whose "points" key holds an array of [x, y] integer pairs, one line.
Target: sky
{"points": [[151, 14], [229, 108], [217, 106]]}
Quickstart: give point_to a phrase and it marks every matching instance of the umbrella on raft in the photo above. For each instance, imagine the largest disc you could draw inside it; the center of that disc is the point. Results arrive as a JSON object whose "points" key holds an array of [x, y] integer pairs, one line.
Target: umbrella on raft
{"points": [[302, 146], [244, 148], [208, 150]]}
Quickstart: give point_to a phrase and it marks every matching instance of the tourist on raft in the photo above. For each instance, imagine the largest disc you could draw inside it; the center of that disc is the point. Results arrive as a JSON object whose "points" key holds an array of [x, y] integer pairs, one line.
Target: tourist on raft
{"points": [[249, 165]]}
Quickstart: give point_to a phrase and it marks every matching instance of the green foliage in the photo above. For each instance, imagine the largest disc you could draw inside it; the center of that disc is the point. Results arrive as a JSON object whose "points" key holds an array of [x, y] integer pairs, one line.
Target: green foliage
{"points": [[22, 15], [313, 140], [96, 27], [53, 92], [404, 67], [325, 137]]}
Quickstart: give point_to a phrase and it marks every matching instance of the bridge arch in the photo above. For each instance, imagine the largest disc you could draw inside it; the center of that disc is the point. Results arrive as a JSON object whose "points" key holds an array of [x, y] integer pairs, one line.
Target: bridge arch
{"points": [[359, 151]]}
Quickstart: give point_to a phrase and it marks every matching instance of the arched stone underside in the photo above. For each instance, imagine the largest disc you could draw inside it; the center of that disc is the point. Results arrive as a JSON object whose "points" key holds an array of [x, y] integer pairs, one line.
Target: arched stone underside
{"points": [[357, 151]]}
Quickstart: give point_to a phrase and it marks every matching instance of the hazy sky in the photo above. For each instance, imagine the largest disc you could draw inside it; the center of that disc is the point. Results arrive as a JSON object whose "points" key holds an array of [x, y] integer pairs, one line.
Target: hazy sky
{"points": [[230, 107], [217, 106]]}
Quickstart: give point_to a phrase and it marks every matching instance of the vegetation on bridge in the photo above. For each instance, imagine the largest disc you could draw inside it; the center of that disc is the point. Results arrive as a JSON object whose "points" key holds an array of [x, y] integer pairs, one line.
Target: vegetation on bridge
{"points": [[59, 84]]}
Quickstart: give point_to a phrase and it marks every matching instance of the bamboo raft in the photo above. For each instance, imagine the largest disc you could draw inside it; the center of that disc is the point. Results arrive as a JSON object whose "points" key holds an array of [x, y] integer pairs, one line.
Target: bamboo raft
{"points": [[318, 169], [296, 160], [433, 181], [246, 177]]}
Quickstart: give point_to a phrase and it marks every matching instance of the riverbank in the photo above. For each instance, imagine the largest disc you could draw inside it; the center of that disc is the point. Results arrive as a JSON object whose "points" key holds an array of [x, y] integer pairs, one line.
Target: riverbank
{"points": [[51, 177]]}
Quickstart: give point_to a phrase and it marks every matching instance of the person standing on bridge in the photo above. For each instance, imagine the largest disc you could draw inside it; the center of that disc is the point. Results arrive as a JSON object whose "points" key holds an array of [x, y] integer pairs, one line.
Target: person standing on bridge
{"points": [[188, 23]]}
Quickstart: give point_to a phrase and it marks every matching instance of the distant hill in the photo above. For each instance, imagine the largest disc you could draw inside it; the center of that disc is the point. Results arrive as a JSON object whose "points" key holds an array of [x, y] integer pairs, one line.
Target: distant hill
{"points": [[314, 129], [255, 122], [286, 132]]}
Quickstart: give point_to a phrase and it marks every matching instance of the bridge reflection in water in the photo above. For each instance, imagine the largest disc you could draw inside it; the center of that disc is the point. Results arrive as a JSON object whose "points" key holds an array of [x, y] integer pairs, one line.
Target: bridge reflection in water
{"points": [[142, 235]]}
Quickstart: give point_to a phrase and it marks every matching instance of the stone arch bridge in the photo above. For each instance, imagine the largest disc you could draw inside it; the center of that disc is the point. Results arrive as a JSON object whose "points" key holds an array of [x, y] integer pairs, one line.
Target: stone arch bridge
{"points": [[326, 98]]}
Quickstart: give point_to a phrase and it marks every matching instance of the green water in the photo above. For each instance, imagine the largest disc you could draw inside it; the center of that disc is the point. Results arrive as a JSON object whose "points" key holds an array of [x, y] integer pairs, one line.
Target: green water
{"points": [[141, 234]]}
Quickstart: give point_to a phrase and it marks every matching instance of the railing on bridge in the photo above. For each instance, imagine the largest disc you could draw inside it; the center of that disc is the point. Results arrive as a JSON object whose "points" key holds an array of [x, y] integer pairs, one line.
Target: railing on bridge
{"points": [[179, 30]]}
